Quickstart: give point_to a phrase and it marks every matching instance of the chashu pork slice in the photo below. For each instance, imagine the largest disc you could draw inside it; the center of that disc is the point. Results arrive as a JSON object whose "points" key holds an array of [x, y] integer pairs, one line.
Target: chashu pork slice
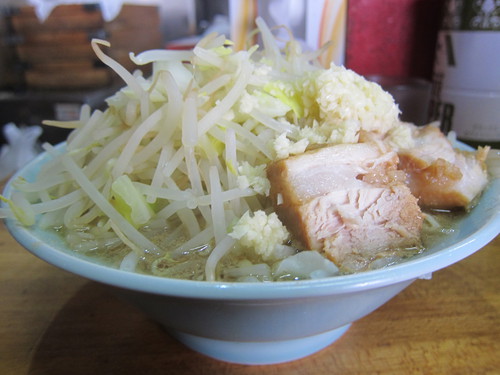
{"points": [[439, 175], [347, 200]]}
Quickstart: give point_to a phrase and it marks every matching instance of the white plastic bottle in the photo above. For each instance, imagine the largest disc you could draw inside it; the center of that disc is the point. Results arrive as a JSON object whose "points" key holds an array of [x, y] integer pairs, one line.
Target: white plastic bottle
{"points": [[466, 80]]}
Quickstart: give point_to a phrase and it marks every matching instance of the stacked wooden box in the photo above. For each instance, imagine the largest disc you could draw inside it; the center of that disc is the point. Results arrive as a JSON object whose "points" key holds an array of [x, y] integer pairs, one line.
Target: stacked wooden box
{"points": [[56, 53]]}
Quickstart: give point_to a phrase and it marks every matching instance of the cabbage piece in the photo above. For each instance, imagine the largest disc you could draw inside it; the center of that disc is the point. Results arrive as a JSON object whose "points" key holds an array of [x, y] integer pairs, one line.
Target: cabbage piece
{"points": [[129, 202], [263, 102], [287, 94], [304, 265]]}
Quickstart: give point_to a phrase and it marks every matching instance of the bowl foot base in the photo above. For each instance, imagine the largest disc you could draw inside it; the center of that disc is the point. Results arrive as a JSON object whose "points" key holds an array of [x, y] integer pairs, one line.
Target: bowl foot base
{"points": [[260, 353]]}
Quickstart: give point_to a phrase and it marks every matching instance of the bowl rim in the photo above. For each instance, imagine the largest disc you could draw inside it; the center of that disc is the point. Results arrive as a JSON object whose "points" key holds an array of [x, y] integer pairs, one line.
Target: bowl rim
{"points": [[416, 267]]}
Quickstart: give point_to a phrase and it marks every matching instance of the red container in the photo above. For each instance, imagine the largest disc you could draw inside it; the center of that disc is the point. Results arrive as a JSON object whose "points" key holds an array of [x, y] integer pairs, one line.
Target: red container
{"points": [[392, 37]]}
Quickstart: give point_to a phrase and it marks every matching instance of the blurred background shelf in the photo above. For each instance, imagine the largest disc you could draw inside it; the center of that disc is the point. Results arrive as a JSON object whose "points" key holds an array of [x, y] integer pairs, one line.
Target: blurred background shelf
{"points": [[47, 68], [56, 53]]}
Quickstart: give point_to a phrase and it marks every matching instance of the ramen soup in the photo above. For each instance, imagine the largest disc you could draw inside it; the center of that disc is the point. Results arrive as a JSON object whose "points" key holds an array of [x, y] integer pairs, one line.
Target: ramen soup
{"points": [[252, 165], [243, 265]]}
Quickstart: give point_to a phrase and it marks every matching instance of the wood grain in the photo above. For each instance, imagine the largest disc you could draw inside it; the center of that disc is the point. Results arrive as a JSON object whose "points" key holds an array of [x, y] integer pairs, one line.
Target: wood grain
{"points": [[53, 322]]}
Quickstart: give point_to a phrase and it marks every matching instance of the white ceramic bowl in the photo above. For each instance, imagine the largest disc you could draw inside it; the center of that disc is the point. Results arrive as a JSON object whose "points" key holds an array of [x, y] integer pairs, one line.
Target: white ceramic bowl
{"points": [[264, 323]]}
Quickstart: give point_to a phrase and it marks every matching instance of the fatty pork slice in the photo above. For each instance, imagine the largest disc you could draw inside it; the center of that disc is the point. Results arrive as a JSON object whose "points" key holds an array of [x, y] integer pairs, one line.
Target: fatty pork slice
{"points": [[439, 175], [347, 200]]}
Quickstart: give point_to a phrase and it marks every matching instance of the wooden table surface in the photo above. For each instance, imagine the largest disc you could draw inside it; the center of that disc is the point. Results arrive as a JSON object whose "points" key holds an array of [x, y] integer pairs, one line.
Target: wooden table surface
{"points": [[53, 322]]}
